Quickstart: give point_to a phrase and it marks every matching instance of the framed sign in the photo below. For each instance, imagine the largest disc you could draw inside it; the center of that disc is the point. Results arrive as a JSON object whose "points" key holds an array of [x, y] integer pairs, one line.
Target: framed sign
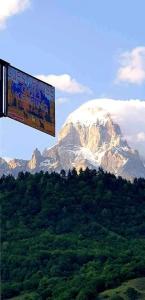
{"points": [[30, 101]]}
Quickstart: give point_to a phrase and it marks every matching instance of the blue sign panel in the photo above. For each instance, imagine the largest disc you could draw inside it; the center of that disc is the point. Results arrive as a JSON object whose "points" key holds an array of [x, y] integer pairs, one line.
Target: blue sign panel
{"points": [[31, 101]]}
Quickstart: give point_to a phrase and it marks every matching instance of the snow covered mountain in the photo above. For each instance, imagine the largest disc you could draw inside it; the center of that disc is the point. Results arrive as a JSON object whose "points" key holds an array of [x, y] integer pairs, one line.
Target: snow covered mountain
{"points": [[88, 138]]}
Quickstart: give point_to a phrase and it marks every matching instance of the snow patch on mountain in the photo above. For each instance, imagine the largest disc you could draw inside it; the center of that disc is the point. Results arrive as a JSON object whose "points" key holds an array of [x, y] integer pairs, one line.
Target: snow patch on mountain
{"points": [[88, 116]]}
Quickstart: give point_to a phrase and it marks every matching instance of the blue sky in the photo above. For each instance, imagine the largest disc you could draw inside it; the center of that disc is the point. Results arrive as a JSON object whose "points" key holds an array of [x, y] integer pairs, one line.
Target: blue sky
{"points": [[96, 43]]}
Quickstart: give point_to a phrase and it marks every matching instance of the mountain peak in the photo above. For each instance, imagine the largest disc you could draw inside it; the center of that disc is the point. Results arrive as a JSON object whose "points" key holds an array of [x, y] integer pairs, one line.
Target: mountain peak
{"points": [[36, 152], [35, 160], [90, 137], [87, 115], [92, 127]]}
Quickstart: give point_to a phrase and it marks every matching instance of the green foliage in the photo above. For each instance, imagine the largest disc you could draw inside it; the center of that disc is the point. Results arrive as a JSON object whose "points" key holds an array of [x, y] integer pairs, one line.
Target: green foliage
{"points": [[116, 297], [132, 293], [70, 237]]}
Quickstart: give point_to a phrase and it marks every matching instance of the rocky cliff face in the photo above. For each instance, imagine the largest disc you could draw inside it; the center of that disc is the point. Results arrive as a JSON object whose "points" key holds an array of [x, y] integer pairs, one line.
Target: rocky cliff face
{"points": [[88, 138], [35, 161]]}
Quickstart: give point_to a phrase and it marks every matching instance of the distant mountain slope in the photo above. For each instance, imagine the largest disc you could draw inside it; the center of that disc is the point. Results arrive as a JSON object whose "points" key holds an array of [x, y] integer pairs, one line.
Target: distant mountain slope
{"points": [[88, 138]]}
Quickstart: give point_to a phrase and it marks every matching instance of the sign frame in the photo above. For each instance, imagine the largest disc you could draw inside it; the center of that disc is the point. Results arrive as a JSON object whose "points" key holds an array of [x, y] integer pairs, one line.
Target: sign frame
{"points": [[1, 90], [4, 93], [3, 87]]}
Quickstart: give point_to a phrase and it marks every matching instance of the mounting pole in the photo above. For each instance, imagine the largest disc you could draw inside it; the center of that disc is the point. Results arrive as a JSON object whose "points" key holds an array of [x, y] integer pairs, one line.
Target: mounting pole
{"points": [[3, 87]]}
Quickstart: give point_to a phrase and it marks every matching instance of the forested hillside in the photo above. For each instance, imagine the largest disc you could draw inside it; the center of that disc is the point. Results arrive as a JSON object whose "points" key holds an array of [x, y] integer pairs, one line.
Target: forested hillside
{"points": [[71, 237]]}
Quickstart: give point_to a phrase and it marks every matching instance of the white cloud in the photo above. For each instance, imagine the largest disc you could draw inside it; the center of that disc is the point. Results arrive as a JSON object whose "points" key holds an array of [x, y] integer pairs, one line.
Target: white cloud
{"points": [[9, 8], [65, 83], [130, 115], [138, 137], [132, 69], [62, 100], [141, 136]]}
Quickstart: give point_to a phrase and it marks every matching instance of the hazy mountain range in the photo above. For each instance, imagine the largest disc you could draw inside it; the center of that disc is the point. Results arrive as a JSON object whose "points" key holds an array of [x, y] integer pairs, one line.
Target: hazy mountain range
{"points": [[88, 138]]}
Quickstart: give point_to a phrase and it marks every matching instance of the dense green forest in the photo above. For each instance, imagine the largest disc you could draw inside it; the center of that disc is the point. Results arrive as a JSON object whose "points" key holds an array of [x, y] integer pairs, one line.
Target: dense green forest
{"points": [[71, 237]]}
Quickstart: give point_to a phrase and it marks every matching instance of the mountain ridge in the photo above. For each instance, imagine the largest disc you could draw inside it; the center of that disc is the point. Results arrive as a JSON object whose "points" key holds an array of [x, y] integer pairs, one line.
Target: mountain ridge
{"points": [[88, 138]]}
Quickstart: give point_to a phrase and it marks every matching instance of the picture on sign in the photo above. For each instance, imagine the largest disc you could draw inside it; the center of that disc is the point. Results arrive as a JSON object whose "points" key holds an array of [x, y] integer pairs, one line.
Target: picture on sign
{"points": [[31, 101]]}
